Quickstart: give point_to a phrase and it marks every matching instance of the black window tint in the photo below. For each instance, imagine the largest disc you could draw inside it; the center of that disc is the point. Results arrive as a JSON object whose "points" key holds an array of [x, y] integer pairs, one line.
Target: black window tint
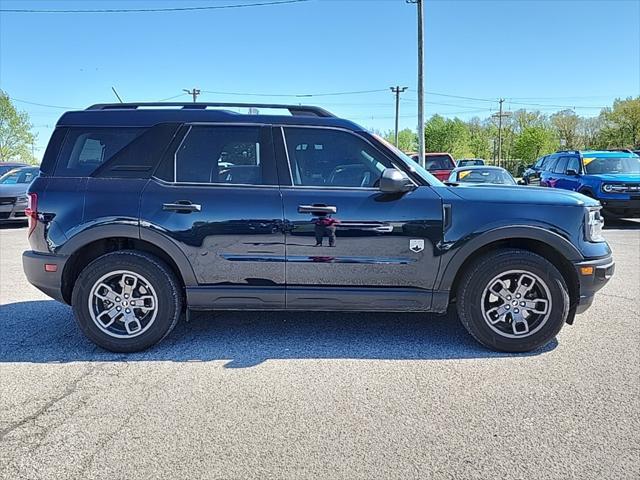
{"points": [[561, 165], [225, 154], [540, 163], [85, 149], [140, 157], [574, 164], [325, 157]]}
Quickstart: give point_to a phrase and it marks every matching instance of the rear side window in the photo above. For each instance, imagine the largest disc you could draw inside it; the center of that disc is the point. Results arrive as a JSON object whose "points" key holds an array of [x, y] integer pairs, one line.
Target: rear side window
{"points": [[550, 164], [235, 155], [438, 162], [86, 149]]}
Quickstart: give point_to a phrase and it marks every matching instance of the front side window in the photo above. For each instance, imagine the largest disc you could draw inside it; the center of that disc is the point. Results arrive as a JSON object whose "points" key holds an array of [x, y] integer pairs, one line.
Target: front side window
{"points": [[86, 149], [333, 158], [574, 164], [224, 155], [561, 165]]}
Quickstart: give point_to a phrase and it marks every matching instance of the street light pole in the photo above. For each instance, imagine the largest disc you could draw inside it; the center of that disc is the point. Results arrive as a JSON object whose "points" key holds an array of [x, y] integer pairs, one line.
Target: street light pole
{"points": [[397, 90]]}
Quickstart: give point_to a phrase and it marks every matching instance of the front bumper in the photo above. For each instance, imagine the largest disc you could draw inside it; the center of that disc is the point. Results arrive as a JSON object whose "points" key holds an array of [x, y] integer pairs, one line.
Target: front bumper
{"points": [[50, 283], [592, 276], [621, 208], [13, 212]]}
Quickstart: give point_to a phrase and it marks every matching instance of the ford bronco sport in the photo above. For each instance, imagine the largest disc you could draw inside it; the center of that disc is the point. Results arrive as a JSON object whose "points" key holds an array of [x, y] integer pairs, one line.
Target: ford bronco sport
{"points": [[144, 211]]}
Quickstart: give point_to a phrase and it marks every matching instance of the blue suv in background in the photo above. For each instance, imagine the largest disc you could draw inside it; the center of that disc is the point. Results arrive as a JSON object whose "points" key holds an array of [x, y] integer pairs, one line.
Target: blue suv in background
{"points": [[610, 176]]}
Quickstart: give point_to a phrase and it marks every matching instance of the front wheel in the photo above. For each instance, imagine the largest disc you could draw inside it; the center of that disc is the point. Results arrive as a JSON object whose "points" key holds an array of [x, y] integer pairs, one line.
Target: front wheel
{"points": [[513, 300], [126, 301]]}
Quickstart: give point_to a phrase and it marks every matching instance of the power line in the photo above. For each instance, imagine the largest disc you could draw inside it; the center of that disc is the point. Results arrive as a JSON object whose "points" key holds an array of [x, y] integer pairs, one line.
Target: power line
{"points": [[142, 10], [42, 104], [297, 95]]}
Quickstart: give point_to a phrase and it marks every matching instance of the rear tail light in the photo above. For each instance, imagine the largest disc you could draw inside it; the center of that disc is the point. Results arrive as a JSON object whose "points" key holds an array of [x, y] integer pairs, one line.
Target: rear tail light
{"points": [[32, 211]]}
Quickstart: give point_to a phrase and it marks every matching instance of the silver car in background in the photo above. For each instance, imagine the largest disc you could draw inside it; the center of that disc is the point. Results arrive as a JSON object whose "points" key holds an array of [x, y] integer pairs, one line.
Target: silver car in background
{"points": [[13, 193]]}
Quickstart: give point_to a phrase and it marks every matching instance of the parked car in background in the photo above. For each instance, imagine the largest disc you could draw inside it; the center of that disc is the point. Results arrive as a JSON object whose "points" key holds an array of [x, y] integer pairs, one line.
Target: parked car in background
{"points": [[531, 174], [143, 211], [465, 162], [13, 193], [6, 166], [610, 176], [438, 164], [477, 174]]}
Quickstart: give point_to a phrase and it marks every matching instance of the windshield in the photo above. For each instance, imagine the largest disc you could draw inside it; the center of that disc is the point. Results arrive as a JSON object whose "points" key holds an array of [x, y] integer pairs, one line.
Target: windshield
{"points": [[19, 176], [489, 175], [466, 163], [598, 165], [412, 165]]}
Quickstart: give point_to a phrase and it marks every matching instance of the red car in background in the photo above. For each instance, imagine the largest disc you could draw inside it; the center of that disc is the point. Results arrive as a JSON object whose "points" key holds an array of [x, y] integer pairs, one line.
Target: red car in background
{"points": [[438, 164]]}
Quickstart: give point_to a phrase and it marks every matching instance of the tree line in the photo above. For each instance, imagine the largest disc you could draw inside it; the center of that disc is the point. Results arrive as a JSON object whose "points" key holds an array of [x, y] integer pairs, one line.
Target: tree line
{"points": [[527, 135]]}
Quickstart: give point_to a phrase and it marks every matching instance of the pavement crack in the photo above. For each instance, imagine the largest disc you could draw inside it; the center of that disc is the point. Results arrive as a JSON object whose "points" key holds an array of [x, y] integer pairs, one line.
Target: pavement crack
{"points": [[69, 390]]}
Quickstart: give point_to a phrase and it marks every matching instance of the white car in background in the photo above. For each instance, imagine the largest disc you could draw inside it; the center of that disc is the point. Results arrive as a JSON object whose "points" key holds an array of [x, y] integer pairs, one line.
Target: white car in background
{"points": [[13, 193]]}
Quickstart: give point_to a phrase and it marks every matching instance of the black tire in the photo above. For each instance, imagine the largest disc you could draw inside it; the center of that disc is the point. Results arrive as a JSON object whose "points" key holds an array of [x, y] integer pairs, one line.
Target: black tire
{"points": [[478, 276], [160, 278]]}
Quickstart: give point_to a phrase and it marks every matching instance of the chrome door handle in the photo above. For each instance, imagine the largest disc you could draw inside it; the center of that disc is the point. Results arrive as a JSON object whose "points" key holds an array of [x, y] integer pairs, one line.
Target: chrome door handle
{"points": [[384, 229], [317, 209], [182, 206]]}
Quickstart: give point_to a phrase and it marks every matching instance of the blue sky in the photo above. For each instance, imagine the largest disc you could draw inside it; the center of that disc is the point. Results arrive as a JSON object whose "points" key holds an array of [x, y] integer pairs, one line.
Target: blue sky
{"points": [[536, 54]]}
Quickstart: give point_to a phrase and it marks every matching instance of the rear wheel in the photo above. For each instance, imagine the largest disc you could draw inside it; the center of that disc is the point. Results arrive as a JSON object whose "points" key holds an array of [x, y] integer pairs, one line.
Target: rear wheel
{"points": [[126, 301], [513, 300]]}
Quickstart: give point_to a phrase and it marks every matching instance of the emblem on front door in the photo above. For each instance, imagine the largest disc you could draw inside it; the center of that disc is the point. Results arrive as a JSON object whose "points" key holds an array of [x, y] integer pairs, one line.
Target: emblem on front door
{"points": [[416, 245]]}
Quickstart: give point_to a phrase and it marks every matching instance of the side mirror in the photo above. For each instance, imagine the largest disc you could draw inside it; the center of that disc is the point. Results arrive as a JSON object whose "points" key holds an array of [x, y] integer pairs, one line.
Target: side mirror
{"points": [[572, 172], [395, 181], [521, 182]]}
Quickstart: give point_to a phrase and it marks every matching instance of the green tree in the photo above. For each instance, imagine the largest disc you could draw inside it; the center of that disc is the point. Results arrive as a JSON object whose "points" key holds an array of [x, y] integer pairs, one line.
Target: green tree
{"points": [[16, 138], [407, 139], [532, 142], [566, 126], [446, 135], [621, 124]]}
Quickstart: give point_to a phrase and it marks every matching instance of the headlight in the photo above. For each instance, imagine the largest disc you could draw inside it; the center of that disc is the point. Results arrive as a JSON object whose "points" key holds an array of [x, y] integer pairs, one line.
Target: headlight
{"points": [[614, 187], [593, 225], [22, 199]]}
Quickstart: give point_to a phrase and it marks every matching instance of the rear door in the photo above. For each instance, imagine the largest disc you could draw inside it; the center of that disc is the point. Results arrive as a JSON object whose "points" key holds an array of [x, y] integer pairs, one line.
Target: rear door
{"points": [[216, 196], [350, 246]]}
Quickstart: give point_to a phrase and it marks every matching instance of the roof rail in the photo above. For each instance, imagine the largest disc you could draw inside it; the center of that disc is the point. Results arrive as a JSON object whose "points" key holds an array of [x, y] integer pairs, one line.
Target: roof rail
{"points": [[568, 151], [295, 110], [627, 150]]}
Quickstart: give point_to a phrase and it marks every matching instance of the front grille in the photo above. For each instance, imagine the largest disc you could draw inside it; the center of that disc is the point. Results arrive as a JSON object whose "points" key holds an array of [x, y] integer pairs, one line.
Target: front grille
{"points": [[7, 200], [4, 215]]}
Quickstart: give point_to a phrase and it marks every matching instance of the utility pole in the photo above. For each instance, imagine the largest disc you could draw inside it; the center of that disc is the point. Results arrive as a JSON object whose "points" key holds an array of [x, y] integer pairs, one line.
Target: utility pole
{"points": [[194, 93], [500, 115], [397, 90], [419, 5]]}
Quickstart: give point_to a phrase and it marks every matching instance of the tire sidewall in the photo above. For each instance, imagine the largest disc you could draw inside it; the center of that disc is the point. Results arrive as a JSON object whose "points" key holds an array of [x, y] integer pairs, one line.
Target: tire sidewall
{"points": [[470, 301], [160, 277]]}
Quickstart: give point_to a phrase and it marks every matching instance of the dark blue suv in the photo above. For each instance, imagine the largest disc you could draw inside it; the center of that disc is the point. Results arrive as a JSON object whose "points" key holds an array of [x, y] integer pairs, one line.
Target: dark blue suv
{"points": [[611, 176], [143, 212]]}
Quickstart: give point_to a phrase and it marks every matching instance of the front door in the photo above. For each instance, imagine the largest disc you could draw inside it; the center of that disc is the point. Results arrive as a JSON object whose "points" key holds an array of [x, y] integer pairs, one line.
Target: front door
{"points": [[218, 200], [350, 246]]}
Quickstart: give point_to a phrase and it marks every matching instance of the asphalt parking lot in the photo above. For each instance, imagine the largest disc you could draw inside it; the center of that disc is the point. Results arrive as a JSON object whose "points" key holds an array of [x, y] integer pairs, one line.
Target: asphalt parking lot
{"points": [[257, 395]]}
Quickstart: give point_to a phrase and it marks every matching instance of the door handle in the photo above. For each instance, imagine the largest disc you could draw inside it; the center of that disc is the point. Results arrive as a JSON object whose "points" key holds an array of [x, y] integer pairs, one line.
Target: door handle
{"points": [[317, 208], [384, 229], [182, 206]]}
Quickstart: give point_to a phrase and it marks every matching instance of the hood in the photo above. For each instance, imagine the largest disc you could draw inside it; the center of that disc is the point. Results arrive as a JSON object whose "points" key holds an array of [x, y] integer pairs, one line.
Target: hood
{"points": [[617, 177], [13, 190], [522, 195]]}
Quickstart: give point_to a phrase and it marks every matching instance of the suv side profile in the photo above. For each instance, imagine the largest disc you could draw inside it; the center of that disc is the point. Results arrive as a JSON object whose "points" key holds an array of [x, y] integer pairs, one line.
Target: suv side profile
{"points": [[145, 211], [610, 176]]}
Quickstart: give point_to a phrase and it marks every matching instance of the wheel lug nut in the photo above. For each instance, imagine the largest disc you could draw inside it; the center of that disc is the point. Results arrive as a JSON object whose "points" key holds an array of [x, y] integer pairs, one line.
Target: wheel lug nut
{"points": [[518, 296], [522, 304], [126, 295], [507, 307], [117, 299], [508, 297], [118, 308], [127, 311], [516, 310]]}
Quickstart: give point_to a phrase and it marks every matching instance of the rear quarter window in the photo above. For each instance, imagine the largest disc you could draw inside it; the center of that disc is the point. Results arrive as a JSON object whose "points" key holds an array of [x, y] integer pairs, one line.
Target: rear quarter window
{"points": [[86, 149]]}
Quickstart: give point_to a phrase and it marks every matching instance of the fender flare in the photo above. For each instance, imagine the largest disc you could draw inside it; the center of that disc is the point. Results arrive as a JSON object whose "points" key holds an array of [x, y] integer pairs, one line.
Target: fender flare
{"points": [[135, 232], [555, 241]]}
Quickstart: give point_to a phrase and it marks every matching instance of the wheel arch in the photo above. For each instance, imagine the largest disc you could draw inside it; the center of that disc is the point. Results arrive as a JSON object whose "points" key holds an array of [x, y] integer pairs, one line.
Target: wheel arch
{"points": [[91, 244], [560, 252]]}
